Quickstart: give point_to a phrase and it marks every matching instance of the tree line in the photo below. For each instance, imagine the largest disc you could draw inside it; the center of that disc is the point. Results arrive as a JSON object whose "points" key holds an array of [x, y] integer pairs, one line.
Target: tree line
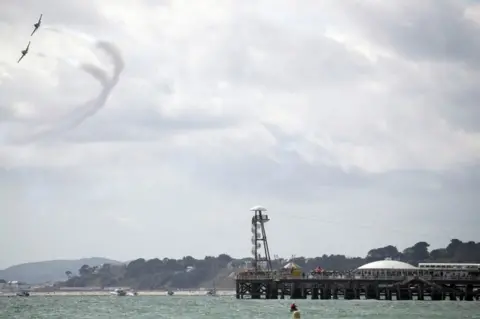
{"points": [[189, 272]]}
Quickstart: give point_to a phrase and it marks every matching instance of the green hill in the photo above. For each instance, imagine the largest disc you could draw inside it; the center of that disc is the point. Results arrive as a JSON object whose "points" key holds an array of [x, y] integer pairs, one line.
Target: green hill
{"points": [[49, 271], [189, 272]]}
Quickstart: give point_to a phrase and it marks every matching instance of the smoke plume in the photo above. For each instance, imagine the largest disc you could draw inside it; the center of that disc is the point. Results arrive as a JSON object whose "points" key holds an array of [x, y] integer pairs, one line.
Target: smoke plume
{"points": [[91, 107]]}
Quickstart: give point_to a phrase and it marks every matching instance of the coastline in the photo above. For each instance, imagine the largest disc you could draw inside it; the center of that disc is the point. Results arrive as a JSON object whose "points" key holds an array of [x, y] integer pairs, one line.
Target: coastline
{"points": [[92, 293]]}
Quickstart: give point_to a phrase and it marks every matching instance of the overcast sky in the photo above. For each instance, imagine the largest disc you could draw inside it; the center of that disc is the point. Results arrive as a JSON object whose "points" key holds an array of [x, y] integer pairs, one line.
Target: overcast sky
{"points": [[355, 123]]}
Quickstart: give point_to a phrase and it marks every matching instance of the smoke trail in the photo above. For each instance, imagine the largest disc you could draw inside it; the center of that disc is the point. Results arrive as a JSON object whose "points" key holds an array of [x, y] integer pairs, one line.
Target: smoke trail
{"points": [[90, 108], [72, 62], [70, 32], [97, 73]]}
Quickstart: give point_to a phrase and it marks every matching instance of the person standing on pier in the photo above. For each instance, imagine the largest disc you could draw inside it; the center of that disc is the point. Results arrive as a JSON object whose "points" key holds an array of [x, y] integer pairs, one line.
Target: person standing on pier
{"points": [[295, 312]]}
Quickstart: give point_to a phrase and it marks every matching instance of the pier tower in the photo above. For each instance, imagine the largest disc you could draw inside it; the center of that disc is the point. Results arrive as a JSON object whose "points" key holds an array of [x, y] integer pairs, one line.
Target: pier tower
{"points": [[260, 251]]}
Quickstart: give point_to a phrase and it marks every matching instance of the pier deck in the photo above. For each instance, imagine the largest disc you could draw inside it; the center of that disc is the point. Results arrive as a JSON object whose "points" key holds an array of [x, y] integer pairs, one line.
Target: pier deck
{"points": [[272, 286]]}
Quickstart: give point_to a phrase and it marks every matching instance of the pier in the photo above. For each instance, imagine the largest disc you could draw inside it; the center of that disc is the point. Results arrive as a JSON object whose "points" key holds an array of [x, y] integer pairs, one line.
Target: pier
{"points": [[380, 280], [272, 286]]}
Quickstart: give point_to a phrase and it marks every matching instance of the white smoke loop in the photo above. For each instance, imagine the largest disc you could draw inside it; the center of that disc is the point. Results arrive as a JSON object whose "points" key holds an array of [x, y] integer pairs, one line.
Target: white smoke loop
{"points": [[90, 108]]}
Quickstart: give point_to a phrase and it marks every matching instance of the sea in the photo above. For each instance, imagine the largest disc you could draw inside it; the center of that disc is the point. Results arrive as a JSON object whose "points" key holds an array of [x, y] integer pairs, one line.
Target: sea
{"points": [[154, 307]]}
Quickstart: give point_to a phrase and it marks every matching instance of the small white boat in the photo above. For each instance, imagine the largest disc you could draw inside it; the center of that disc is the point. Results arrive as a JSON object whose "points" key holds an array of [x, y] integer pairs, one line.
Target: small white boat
{"points": [[121, 292], [118, 292]]}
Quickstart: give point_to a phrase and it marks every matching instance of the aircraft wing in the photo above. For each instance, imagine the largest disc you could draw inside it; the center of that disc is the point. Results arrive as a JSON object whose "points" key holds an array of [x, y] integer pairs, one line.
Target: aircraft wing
{"points": [[34, 31], [21, 58]]}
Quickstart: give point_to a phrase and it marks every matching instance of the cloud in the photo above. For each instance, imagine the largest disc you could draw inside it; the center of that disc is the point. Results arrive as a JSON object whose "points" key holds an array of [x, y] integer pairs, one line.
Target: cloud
{"points": [[338, 113]]}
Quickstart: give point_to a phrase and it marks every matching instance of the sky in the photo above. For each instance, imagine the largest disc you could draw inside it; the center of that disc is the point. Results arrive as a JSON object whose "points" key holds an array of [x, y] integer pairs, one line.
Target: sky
{"points": [[150, 128]]}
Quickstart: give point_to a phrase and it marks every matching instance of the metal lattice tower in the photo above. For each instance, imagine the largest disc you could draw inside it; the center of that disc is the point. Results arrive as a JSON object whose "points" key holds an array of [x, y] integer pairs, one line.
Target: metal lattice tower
{"points": [[260, 251]]}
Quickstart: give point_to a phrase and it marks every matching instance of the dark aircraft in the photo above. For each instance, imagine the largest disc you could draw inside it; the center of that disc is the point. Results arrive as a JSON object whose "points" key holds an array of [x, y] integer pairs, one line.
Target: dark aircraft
{"points": [[37, 25], [24, 52]]}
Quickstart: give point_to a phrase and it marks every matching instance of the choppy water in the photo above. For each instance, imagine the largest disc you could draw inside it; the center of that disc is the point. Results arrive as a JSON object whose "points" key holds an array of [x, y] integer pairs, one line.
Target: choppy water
{"points": [[143, 307]]}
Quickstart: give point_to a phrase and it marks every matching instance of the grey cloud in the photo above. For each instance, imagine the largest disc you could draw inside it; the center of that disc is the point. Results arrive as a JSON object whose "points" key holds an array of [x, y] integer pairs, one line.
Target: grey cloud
{"points": [[71, 12], [394, 200], [291, 175], [278, 58], [6, 113], [12, 92], [143, 124], [460, 102], [432, 30]]}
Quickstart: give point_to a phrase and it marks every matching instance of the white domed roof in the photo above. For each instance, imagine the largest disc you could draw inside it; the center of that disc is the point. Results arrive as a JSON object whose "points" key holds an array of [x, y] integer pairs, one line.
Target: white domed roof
{"points": [[387, 264], [258, 208]]}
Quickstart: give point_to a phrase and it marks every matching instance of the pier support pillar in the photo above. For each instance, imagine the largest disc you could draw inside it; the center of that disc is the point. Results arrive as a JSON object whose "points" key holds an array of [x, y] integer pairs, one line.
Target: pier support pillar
{"points": [[295, 293], [255, 293], [314, 293], [436, 294], [469, 293], [403, 293], [388, 294], [304, 293], [323, 293], [328, 293], [349, 294], [371, 292], [335, 293], [453, 294], [272, 290], [275, 292], [421, 292], [356, 293]]}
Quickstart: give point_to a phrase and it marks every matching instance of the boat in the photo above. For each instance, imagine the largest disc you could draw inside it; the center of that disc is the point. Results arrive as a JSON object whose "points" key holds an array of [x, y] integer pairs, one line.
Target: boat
{"points": [[118, 292], [23, 294], [170, 293], [121, 292], [212, 292]]}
